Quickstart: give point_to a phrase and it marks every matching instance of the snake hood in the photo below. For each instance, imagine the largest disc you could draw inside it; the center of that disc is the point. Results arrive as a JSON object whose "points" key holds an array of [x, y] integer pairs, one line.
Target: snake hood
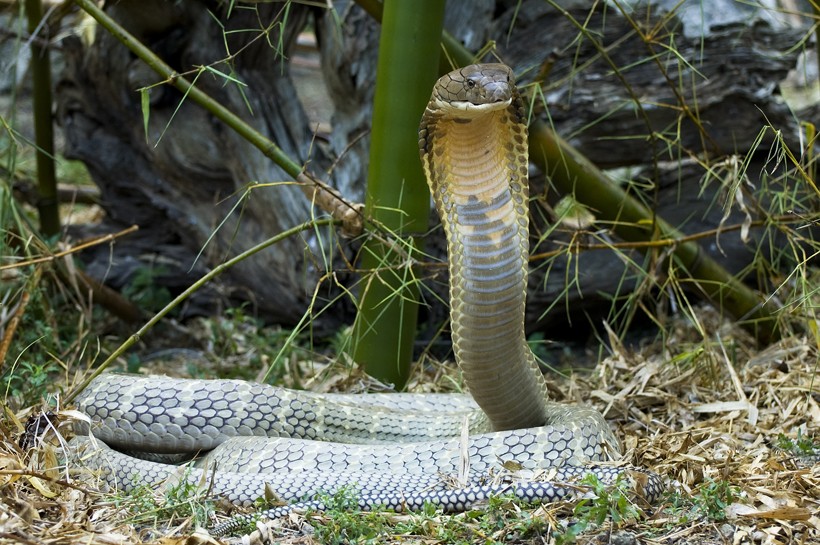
{"points": [[473, 148], [475, 89]]}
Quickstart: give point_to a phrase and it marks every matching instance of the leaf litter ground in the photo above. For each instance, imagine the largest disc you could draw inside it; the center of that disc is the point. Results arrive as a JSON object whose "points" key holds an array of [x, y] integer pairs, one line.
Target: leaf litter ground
{"points": [[718, 419]]}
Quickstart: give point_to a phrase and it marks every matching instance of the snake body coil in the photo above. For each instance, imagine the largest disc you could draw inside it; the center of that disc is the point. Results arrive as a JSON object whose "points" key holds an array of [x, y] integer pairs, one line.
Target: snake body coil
{"points": [[473, 145]]}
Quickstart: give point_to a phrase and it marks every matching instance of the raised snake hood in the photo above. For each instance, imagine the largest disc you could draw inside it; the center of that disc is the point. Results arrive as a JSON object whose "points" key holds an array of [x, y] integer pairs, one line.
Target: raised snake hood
{"points": [[473, 147]]}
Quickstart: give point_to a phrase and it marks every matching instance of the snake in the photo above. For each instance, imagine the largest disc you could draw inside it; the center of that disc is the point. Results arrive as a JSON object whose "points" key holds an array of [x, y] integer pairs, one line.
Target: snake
{"points": [[398, 451]]}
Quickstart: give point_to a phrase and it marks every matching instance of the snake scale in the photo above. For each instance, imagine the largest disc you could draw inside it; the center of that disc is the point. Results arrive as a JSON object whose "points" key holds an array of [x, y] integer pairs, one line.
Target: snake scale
{"points": [[396, 450]]}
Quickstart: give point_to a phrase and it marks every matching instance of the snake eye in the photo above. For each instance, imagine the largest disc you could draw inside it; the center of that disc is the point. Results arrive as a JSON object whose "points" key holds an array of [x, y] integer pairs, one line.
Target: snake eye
{"points": [[470, 83]]}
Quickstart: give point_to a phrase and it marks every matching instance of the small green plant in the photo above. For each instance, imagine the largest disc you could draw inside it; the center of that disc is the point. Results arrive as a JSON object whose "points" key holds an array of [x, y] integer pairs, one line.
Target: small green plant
{"points": [[345, 523], [802, 446], [501, 521], [607, 502], [27, 380], [50, 332], [145, 290], [340, 342], [239, 333], [184, 499], [709, 502], [713, 497], [504, 519], [679, 507], [508, 516]]}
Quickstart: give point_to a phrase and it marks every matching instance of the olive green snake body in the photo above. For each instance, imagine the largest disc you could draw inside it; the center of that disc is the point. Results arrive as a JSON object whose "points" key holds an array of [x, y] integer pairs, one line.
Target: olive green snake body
{"points": [[452, 451]]}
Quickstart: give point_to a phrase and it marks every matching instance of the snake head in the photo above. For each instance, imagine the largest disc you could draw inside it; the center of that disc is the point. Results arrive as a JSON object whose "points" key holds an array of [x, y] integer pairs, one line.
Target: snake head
{"points": [[475, 88]]}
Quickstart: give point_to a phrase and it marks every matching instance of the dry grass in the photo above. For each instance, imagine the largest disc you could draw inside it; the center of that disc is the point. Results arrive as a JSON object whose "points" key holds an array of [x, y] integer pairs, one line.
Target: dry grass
{"points": [[707, 415]]}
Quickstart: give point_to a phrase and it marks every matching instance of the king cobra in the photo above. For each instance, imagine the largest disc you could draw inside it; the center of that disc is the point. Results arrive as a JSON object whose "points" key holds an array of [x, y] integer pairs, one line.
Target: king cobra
{"points": [[396, 451]]}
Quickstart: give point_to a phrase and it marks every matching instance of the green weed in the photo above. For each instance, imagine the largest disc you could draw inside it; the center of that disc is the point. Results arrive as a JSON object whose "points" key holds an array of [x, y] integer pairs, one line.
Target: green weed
{"points": [[709, 502], [609, 502], [239, 333], [802, 446], [146, 290], [51, 331], [713, 497], [343, 521], [27, 380], [503, 519], [183, 500]]}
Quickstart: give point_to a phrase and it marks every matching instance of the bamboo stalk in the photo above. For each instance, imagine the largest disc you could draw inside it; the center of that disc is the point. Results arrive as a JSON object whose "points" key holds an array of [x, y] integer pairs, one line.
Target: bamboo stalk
{"points": [[47, 202], [397, 194]]}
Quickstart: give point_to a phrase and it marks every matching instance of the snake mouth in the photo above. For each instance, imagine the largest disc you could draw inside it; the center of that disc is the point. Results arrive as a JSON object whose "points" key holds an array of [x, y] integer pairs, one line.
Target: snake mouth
{"points": [[472, 109]]}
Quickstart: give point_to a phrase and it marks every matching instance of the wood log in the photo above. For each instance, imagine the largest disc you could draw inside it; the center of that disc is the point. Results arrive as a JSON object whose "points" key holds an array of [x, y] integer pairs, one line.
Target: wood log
{"points": [[186, 185]]}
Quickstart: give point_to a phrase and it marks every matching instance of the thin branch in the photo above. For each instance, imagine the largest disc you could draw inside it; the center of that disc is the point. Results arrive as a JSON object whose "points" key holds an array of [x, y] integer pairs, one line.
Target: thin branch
{"points": [[71, 250]]}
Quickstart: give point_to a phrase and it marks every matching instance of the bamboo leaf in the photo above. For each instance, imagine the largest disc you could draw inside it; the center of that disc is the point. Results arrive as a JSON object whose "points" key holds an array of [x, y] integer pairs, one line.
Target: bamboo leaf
{"points": [[145, 103]]}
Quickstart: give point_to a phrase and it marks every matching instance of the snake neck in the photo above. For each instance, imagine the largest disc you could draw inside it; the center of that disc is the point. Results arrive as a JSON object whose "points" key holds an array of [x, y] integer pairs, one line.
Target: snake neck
{"points": [[477, 169]]}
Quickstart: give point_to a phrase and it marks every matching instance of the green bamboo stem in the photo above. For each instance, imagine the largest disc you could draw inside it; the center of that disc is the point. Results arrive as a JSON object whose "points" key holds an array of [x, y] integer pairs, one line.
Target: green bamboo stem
{"points": [[48, 205], [397, 194], [451, 48]]}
